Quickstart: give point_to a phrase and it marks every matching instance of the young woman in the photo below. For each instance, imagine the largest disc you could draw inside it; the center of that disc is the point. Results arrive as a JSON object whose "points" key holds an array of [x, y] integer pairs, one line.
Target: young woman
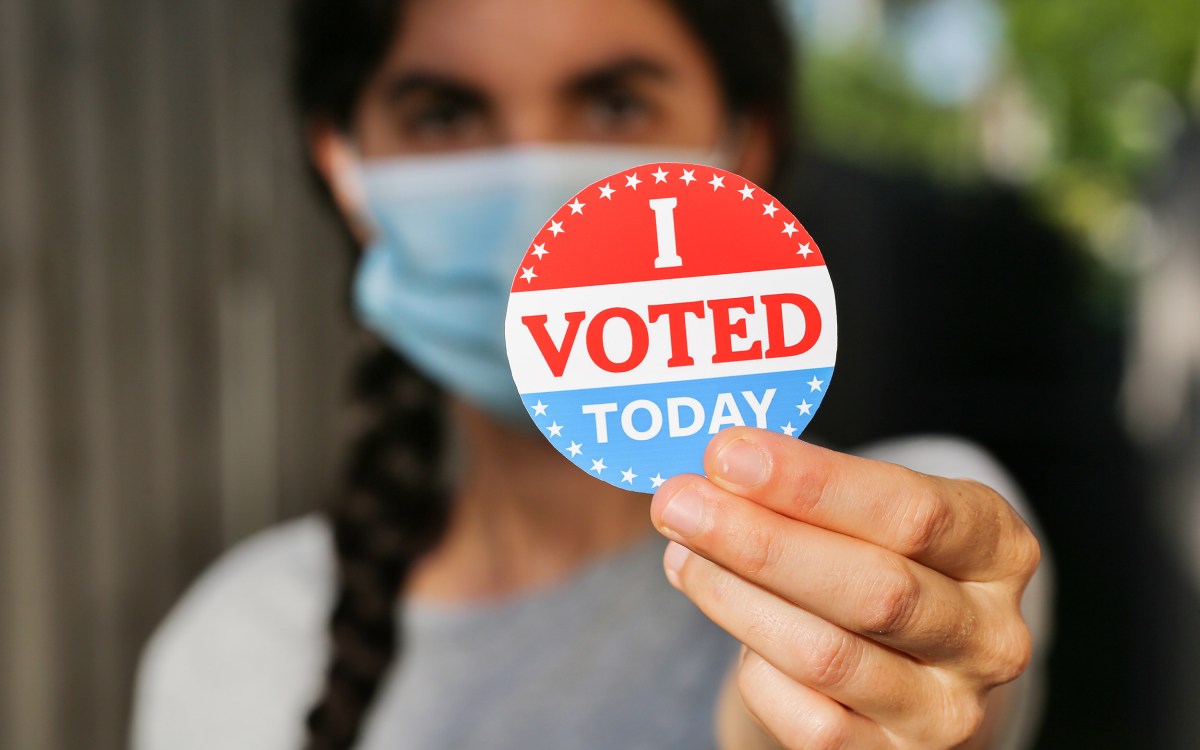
{"points": [[485, 593]]}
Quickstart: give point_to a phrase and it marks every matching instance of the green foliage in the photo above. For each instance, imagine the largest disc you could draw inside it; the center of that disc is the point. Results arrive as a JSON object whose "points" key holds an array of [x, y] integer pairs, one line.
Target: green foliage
{"points": [[1097, 68], [857, 105], [1108, 82]]}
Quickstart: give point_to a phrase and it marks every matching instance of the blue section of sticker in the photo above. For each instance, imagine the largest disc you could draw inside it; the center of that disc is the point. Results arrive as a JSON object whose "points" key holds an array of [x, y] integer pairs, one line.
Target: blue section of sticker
{"points": [[638, 436]]}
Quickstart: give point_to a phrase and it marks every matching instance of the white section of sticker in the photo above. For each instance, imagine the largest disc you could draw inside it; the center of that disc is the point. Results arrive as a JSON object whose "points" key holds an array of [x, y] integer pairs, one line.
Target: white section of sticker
{"points": [[534, 374]]}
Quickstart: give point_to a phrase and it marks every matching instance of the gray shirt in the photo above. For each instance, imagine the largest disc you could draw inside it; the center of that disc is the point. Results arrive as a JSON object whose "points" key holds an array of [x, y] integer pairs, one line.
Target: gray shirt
{"points": [[612, 657]]}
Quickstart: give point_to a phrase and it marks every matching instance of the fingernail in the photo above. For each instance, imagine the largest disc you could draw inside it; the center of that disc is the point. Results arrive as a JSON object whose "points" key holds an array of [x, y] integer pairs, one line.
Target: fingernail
{"points": [[684, 513], [673, 560], [742, 463]]}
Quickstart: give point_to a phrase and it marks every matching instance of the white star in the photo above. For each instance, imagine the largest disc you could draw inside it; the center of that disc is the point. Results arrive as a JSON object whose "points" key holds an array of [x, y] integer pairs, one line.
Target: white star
{"points": [[788, 430], [555, 429], [747, 192], [606, 191], [598, 466], [660, 175], [769, 209], [632, 181], [814, 384], [805, 249], [689, 176], [628, 476], [540, 251], [657, 480], [717, 182], [789, 229], [539, 409], [576, 207], [556, 228], [575, 449], [805, 408], [528, 274]]}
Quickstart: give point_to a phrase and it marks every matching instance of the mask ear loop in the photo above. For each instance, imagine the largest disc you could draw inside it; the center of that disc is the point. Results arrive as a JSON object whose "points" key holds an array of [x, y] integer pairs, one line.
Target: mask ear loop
{"points": [[346, 176], [727, 152]]}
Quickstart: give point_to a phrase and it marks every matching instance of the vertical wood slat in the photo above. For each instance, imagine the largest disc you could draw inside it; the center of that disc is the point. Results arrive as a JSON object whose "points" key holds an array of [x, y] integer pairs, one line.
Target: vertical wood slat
{"points": [[247, 303], [169, 333], [126, 259], [161, 515], [28, 674], [190, 211], [103, 482], [311, 263]]}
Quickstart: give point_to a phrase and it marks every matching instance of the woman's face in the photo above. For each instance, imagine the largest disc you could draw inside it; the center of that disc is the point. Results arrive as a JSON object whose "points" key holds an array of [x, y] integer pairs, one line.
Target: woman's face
{"points": [[465, 74]]}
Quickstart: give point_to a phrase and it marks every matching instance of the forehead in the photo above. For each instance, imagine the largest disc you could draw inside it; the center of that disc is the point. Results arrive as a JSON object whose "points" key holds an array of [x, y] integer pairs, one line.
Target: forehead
{"points": [[530, 44]]}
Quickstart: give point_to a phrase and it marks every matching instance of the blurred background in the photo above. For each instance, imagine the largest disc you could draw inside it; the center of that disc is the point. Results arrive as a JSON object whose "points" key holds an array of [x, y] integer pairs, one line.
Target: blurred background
{"points": [[172, 349]]}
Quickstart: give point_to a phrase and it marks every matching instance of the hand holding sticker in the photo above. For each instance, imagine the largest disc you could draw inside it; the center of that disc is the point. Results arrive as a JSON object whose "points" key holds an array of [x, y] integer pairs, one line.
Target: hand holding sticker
{"points": [[660, 306], [672, 301]]}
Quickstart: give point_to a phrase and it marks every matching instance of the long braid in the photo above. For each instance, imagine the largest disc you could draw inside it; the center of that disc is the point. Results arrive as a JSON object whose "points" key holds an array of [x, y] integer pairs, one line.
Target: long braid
{"points": [[392, 511]]}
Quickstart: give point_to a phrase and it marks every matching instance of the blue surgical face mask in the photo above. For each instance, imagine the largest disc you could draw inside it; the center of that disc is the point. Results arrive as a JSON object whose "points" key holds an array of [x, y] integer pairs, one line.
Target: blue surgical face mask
{"points": [[448, 232]]}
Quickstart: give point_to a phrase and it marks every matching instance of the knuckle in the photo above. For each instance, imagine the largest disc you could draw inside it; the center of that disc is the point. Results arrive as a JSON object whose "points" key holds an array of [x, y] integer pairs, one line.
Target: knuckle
{"points": [[891, 602], [825, 731], [717, 588], [1028, 553], [963, 717], [1011, 652], [810, 725], [833, 658], [926, 523], [1015, 541], [757, 550], [745, 675], [805, 499], [810, 483], [750, 672]]}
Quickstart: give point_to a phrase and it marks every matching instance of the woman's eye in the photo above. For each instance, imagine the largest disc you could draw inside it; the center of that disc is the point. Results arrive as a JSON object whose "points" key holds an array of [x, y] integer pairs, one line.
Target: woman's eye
{"points": [[440, 121], [617, 111]]}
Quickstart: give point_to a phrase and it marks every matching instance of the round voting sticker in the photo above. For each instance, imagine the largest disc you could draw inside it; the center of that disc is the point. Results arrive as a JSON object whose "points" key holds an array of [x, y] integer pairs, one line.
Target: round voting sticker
{"points": [[660, 306]]}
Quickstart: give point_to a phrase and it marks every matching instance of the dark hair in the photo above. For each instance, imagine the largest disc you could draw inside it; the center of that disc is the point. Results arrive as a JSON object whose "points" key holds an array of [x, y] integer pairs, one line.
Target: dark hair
{"points": [[393, 508]]}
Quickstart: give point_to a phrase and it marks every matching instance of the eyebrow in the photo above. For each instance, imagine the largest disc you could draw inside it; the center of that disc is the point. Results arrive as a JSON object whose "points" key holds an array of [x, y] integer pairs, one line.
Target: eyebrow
{"points": [[615, 73], [599, 79], [424, 82]]}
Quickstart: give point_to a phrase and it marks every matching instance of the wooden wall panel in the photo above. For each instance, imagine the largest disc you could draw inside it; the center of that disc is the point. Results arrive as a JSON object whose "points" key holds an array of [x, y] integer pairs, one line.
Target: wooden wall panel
{"points": [[172, 333]]}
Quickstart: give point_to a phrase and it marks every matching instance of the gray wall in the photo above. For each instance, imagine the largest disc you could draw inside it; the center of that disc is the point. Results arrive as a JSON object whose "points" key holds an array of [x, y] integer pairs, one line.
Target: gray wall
{"points": [[172, 338]]}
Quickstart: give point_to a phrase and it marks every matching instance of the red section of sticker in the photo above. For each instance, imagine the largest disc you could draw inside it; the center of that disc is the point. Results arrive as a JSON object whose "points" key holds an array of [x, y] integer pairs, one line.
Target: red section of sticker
{"points": [[673, 213]]}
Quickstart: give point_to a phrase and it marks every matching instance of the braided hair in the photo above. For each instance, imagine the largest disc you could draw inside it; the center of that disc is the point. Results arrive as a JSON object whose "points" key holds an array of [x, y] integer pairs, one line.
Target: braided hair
{"points": [[394, 506]]}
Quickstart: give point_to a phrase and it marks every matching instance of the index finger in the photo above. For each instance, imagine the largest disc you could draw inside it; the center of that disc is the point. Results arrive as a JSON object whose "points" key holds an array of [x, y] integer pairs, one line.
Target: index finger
{"points": [[960, 528]]}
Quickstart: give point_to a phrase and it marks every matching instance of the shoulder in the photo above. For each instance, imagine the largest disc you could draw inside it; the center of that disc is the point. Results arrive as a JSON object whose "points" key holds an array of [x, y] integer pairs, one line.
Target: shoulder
{"points": [[236, 661], [946, 456]]}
